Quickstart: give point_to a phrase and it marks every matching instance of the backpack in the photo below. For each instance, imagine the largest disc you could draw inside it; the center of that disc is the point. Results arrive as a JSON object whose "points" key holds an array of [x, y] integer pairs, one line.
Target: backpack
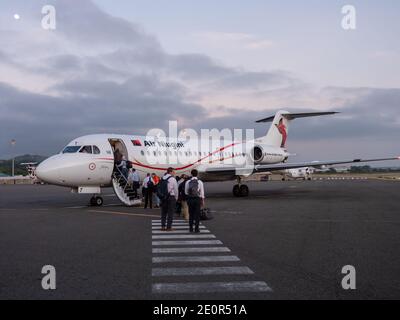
{"points": [[150, 184], [162, 189], [193, 191]]}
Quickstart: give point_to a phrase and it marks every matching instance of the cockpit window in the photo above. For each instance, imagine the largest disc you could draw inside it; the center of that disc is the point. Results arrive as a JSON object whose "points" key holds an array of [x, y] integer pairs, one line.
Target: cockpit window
{"points": [[86, 149], [96, 150], [71, 149]]}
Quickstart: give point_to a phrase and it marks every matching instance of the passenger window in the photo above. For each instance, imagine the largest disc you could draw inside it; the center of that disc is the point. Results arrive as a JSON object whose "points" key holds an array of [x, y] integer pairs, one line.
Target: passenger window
{"points": [[96, 150], [86, 149]]}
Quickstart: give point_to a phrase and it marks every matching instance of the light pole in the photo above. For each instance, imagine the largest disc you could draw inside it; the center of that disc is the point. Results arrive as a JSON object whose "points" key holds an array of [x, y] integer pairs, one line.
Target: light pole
{"points": [[13, 142]]}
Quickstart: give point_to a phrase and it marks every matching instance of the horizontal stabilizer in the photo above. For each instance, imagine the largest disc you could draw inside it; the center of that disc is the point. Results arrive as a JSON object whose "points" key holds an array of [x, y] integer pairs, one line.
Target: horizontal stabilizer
{"points": [[292, 116]]}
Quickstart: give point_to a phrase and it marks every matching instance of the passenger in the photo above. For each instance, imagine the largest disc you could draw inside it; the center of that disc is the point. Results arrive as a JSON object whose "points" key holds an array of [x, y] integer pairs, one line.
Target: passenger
{"points": [[134, 180], [194, 190], [182, 197], [123, 168], [117, 157], [168, 194], [148, 187], [156, 181]]}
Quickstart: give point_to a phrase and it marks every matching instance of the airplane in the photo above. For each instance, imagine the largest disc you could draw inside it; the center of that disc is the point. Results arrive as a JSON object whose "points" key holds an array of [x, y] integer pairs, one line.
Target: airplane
{"points": [[86, 164]]}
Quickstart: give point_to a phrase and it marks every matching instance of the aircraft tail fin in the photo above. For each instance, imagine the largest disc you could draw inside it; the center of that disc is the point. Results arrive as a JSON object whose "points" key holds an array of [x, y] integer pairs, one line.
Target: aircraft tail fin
{"points": [[279, 130]]}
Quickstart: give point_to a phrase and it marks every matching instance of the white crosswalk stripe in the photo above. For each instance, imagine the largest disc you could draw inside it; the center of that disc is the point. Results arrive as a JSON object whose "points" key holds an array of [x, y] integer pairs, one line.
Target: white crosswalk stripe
{"points": [[175, 221], [195, 259], [200, 271], [182, 231], [176, 255], [185, 227], [211, 287], [184, 236], [185, 242], [192, 250]]}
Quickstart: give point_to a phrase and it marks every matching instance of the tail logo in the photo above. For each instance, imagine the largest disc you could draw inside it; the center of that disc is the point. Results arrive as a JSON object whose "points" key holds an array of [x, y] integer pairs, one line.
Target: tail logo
{"points": [[283, 131]]}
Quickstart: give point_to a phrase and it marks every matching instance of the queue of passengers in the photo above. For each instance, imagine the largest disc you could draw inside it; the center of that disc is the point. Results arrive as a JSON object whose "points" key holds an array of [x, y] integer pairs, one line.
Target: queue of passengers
{"points": [[189, 192], [185, 197]]}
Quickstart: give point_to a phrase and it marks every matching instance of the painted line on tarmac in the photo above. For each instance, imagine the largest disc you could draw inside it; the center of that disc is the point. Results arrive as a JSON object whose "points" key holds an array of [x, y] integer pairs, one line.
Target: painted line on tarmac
{"points": [[195, 259], [173, 224], [186, 242], [200, 271], [192, 250], [183, 236], [211, 287], [182, 231], [175, 220], [175, 227], [123, 213]]}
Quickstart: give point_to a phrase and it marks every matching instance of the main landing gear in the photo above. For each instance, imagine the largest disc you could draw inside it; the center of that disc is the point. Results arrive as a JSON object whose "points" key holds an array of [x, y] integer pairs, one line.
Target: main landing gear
{"points": [[240, 190], [96, 201]]}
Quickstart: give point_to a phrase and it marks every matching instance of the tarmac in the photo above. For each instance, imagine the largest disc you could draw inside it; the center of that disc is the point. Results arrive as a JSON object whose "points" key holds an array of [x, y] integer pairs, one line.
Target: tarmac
{"points": [[287, 240]]}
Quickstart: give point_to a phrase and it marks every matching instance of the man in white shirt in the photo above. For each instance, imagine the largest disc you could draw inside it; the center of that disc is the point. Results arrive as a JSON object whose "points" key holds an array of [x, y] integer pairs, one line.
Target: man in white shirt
{"points": [[134, 180], [168, 205], [194, 190]]}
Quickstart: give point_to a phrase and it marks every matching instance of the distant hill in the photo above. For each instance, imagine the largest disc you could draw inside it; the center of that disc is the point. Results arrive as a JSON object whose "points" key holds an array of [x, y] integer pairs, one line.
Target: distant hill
{"points": [[6, 165]]}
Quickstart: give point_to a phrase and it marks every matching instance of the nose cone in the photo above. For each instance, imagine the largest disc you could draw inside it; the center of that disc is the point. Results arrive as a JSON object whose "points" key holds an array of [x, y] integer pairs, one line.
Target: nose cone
{"points": [[48, 171]]}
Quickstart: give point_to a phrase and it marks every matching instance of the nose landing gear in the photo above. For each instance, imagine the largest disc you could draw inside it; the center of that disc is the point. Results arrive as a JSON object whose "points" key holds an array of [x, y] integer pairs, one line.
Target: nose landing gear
{"points": [[96, 201], [240, 190]]}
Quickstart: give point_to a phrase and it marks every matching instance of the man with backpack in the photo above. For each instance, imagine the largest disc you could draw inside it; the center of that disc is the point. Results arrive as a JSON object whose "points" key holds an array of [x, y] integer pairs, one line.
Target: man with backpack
{"points": [[167, 192], [148, 187], [182, 197], [194, 190]]}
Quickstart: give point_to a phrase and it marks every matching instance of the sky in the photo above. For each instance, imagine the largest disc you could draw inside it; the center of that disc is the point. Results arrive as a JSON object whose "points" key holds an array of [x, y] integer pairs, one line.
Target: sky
{"points": [[129, 66]]}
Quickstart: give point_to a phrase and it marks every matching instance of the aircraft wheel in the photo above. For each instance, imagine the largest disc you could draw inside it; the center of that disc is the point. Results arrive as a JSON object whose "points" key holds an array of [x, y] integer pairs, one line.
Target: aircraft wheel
{"points": [[96, 201], [236, 191], [244, 190]]}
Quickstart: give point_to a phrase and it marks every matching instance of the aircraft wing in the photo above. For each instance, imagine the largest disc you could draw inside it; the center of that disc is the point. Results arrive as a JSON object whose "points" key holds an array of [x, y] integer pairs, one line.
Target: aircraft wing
{"points": [[283, 166]]}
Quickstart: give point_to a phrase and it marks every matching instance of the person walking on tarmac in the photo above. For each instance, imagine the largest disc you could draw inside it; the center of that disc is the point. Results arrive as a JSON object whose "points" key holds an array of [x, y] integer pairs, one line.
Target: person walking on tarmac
{"points": [[134, 180], [182, 197], [156, 181], [167, 192], [194, 190], [148, 187]]}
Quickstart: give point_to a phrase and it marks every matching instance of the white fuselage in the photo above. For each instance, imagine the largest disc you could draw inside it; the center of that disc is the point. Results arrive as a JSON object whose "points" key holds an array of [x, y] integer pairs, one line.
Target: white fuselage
{"points": [[88, 161]]}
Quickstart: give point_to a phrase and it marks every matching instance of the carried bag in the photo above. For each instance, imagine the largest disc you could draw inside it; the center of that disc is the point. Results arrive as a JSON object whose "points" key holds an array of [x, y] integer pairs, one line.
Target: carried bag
{"points": [[194, 191], [162, 189], [205, 214]]}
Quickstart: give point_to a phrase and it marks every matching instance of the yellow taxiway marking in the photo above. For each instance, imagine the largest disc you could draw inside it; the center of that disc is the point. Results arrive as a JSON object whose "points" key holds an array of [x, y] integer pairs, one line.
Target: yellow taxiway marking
{"points": [[126, 214]]}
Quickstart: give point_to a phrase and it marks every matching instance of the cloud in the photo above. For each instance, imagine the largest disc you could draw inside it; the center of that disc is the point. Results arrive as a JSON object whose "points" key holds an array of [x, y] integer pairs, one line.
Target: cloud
{"points": [[98, 73], [237, 39]]}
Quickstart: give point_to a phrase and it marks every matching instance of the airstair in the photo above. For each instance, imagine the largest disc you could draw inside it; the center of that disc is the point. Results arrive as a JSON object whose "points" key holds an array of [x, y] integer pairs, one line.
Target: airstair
{"points": [[124, 191]]}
